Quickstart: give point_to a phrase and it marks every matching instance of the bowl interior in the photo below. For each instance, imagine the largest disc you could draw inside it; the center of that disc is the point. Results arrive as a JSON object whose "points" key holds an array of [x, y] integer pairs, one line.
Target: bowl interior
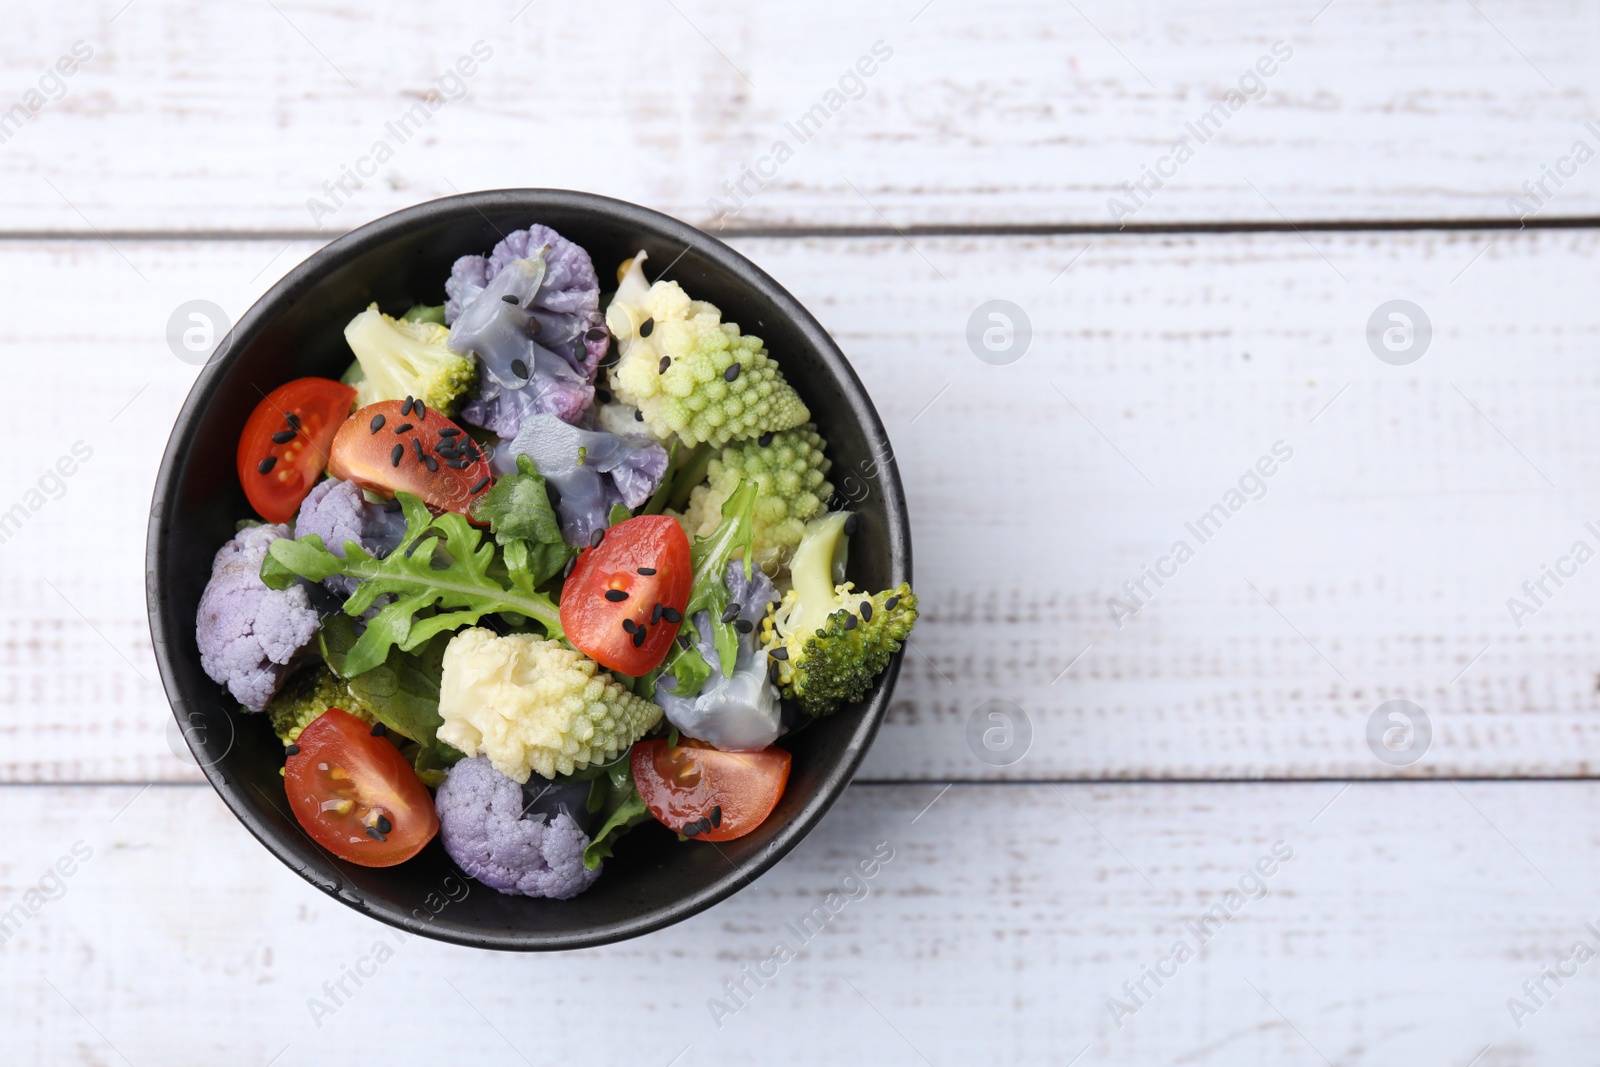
{"points": [[297, 330]]}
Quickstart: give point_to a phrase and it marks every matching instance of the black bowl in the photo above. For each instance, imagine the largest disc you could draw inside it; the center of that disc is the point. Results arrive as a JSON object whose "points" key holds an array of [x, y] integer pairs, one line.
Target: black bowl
{"points": [[296, 329]]}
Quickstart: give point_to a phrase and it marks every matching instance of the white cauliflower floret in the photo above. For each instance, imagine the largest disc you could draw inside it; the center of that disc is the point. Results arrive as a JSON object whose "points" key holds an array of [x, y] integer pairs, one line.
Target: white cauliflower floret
{"points": [[535, 706]]}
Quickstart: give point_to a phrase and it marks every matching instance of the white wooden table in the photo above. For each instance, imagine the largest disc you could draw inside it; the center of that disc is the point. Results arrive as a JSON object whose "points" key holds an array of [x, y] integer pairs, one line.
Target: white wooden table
{"points": [[1200, 858]]}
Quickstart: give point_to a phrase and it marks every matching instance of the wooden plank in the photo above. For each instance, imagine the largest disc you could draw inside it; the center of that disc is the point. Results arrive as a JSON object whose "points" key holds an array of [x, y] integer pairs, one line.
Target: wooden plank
{"points": [[1397, 929], [1378, 565], [193, 116]]}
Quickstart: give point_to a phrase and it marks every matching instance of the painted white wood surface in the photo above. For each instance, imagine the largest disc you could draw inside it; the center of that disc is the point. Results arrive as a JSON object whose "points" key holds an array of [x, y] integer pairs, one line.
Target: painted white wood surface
{"points": [[1377, 566], [1405, 918], [232, 115]]}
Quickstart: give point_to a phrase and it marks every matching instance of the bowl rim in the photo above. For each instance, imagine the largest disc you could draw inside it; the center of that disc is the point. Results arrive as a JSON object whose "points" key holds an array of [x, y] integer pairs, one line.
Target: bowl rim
{"points": [[307, 274]]}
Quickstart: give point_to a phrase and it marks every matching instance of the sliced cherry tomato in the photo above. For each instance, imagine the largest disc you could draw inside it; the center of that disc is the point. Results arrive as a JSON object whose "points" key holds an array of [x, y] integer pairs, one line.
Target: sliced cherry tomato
{"points": [[623, 602], [284, 447], [392, 446], [356, 795], [705, 793]]}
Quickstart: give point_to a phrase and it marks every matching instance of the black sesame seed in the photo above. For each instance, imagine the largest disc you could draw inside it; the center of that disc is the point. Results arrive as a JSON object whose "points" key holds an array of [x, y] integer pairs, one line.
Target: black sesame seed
{"points": [[534, 327], [779, 653], [732, 373], [765, 439], [377, 423], [448, 431], [392, 505], [672, 615], [616, 596], [683, 642], [731, 613], [596, 333], [889, 605], [571, 562], [292, 750], [647, 571], [638, 637], [456, 464], [744, 626], [596, 537], [647, 327], [267, 464], [419, 409], [852, 524], [395, 453], [772, 671], [472, 451], [416, 443], [705, 824], [655, 614], [293, 421], [384, 825], [638, 416], [716, 815], [376, 834], [691, 829], [479, 487], [405, 409], [403, 427], [519, 368], [849, 622], [629, 625], [378, 730], [508, 298], [866, 611], [666, 361], [283, 437], [431, 463], [603, 396]]}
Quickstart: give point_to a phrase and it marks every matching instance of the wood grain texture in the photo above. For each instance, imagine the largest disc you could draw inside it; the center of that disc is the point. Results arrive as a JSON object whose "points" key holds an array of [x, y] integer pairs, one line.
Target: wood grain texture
{"points": [[1378, 565], [1008, 916], [195, 116]]}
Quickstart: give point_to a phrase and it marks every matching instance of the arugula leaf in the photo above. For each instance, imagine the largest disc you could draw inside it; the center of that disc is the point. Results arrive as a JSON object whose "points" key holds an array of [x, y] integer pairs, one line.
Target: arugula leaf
{"points": [[525, 526], [615, 793], [684, 472], [439, 577], [619, 513]]}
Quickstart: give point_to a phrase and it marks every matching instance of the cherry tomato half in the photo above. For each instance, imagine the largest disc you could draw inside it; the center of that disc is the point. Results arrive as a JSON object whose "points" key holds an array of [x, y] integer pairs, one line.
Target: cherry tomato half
{"points": [[623, 602], [284, 447], [705, 793], [356, 795], [391, 446]]}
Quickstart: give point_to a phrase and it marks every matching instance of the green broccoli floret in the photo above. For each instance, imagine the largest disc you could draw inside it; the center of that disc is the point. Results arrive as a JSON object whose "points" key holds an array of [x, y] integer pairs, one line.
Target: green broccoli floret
{"points": [[689, 373], [407, 357], [789, 470], [830, 642], [305, 696]]}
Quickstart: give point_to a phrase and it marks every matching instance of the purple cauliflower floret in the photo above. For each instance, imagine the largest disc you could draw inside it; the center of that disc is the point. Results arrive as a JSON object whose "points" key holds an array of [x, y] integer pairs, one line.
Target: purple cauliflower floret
{"points": [[337, 512], [248, 634], [612, 470], [488, 829], [554, 328], [738, 712]]}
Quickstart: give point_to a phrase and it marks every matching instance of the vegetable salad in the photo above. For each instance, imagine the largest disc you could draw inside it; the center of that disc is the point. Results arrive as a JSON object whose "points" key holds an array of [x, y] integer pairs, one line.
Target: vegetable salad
{"points": [[540, 567]]}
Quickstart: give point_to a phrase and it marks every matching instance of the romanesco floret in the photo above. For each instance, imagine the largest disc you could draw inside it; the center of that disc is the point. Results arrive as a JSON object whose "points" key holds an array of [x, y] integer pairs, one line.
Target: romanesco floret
{"points": [[305, 696], [400, 358], [690, 373], [790, 473], [834, 641], [533, 705]]}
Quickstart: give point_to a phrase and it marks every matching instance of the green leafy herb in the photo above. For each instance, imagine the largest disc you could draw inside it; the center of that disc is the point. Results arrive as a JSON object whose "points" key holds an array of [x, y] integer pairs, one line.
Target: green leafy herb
{"points": [[619, 513], [685, 470], [525, 526], [615, 794], [439, 577]]}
